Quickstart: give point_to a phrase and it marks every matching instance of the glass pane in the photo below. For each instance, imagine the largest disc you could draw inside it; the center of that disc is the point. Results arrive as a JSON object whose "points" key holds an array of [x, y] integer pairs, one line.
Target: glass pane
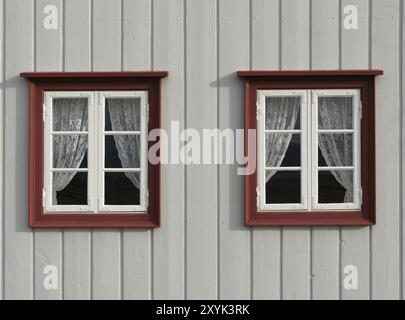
{"points": [[122, 188], [122, 151], [283, 149], [70, 114], [335, 112], [335, 186], [283, 113], [70, 150], [335, 150], [283, 187], [69, 188], [123, 114]]}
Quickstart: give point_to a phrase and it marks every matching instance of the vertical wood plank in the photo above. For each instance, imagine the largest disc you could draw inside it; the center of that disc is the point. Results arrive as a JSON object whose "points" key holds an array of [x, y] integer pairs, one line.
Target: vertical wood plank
{"points": [[136, 246], [325, 263], [403, 148], [295, 241], [385, 234], [168, 240], [325, 241], [266, 241], [18, 255], [77, 35], [48, 243], [76, 243], [234, 237], [355, 246], [106, 244], [2, 182], [201, 102]]}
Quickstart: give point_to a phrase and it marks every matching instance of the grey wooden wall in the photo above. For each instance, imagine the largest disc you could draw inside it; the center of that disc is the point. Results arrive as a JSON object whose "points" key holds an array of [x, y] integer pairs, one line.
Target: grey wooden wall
{"points": [[202, 249]]}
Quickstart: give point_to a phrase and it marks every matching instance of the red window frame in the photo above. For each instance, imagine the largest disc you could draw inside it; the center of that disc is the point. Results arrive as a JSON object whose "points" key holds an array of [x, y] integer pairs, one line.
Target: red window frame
{"points": [[325, 79], [94, 81]]}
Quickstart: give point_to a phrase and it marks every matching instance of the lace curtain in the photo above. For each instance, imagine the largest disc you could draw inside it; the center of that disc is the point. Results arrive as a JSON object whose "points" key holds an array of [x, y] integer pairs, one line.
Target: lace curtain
{"points": [[125, 116], [281, 114], [337, 149], [68, 150]]}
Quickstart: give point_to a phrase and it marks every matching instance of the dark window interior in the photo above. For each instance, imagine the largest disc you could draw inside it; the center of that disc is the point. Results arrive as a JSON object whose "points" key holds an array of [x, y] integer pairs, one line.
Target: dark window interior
{"points": [[75, 193], [119, 190], [285, 186], [329, 190], [111, 153]]}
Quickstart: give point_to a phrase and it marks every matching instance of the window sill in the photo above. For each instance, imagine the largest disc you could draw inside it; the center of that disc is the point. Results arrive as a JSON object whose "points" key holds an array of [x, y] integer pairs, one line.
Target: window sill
{"points": [[86, 220], [309, 218]]}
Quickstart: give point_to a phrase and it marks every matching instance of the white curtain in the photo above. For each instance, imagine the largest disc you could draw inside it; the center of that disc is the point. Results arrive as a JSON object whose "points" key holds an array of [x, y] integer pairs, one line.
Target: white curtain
{"points": [[337, 149], [125, 116], [281, 114], [68, 150]]}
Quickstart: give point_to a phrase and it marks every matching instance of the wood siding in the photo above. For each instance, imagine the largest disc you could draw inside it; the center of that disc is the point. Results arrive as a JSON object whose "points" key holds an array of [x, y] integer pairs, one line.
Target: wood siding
{"points": [[202, 249]]}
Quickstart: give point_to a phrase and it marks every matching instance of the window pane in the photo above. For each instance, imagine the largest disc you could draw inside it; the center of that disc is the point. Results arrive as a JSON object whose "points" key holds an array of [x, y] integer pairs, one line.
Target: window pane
{"points": [[69, 188], [283, 149], [123, 114], [122, 188], [335, 112], [70, 114], [335, 150], [69, 150], [335, 186], [122, 151], [283, 187], [283, 113]]}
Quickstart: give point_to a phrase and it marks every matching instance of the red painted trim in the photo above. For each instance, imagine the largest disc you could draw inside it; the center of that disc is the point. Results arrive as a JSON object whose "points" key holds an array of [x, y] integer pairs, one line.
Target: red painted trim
{"points": [[37, 216], [363, 80], [95, 74], [306, 73]]}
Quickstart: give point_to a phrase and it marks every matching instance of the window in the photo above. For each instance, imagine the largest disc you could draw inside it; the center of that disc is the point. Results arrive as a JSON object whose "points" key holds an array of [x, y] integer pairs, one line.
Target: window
{"points": [[315, 147], [89, 147]]}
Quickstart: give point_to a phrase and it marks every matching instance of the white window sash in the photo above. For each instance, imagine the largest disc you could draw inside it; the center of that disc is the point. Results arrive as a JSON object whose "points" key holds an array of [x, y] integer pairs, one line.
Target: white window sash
{"points": [[48, 152], [262, 95], [143, 192], [356, 131], [309, 141], [95, 152]]}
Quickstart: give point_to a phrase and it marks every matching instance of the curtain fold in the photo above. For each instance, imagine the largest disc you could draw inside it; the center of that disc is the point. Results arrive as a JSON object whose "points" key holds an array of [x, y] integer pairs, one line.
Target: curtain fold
{"points": [[125, 116], [281, 114], [337, 149], [68, 150]]}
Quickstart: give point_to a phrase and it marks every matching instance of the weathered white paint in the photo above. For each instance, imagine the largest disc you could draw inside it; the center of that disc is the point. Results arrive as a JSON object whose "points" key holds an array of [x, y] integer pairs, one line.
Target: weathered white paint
{"points": [[47, 243], [385, 245], [2, 86], [202, 249], [18, 247], [136, 244], [355, 244], [76, 248], [168, 254], [234, 237], [106, 56], [325, 241], [201, 180], [295, 242]]}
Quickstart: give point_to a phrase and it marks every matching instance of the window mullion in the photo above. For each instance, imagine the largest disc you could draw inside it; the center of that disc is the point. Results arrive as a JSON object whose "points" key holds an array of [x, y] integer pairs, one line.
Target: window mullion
{"points": [[96, 142], [312, 144]]}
